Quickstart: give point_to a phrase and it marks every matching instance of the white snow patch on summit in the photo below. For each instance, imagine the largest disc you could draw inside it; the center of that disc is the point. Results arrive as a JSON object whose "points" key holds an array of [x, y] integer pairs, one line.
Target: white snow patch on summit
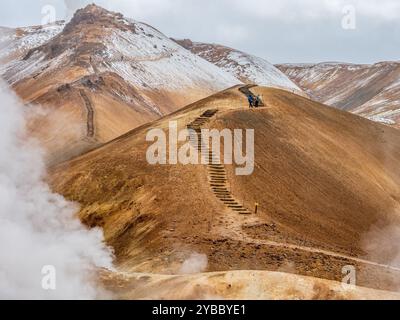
{"points": [[258, 70], [147, 58]]}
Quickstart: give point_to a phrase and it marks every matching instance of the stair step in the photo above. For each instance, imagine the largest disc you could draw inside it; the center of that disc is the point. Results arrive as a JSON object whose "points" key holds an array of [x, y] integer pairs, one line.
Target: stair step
{"points": [[217, 173], [242, 210]]}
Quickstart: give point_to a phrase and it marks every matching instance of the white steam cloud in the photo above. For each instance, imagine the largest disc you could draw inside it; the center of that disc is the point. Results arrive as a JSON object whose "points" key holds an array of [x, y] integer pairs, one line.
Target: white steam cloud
{"points": [[196, 263], [37, 227]]}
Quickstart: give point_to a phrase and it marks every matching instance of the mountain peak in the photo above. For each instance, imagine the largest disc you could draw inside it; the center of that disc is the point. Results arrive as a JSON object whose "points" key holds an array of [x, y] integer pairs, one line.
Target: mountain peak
{"points": [[93, 15], [245, 67]]}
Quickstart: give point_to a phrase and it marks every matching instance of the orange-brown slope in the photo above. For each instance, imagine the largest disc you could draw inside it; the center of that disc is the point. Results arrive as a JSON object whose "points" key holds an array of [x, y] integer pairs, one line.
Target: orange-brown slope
{"points": [[78, 116], [105, 72], [323, 179]]}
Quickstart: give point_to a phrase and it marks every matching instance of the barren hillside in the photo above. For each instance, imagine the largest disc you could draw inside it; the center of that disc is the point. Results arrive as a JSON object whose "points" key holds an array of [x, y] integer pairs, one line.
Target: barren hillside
{"points": [[327, 194], [101, 75]]}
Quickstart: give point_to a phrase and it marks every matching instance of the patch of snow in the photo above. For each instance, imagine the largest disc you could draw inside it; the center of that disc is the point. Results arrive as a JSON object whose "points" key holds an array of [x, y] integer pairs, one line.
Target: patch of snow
{"points": [[380, 119], [33, 66], [149, 59], [257, 70], [21, 40]]}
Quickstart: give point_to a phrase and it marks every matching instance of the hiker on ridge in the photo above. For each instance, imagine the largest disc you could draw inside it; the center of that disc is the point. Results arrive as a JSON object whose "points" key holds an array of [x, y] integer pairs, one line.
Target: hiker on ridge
{"points": [[258, 101], [251, 100]]}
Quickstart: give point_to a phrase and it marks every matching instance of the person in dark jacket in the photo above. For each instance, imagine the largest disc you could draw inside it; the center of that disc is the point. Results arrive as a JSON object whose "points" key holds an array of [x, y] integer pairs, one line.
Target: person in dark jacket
{"points": [[251, 100], [257, 102]]}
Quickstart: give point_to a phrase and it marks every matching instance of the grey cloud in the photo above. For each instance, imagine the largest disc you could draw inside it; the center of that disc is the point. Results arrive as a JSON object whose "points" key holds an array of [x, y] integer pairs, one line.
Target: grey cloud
{"points": [[280, 31]]}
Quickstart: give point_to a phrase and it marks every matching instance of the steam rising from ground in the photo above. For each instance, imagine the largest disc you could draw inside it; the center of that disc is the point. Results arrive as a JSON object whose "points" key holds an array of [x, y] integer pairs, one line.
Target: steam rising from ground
{"points": [[381, 244], [196, 263], [37, 227]]}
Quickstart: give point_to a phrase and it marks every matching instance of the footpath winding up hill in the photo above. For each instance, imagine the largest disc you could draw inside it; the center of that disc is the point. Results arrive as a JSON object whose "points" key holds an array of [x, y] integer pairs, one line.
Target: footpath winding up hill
{"points": [[326, 194], [325, 181], [104, 71]]}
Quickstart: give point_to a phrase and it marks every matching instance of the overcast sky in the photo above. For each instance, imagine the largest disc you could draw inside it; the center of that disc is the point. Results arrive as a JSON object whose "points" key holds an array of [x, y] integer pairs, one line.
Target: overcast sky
{"points": [[277, 30]]}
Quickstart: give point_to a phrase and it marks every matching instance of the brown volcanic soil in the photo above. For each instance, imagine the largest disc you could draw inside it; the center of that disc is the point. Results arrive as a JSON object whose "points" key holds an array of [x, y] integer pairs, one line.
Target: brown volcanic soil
{"points": [[323, 178], [74, 91], [236, 285]]}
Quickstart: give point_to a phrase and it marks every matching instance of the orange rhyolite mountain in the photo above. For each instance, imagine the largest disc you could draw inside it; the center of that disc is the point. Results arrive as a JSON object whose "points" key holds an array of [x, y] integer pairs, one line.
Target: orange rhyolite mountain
{"points": [[100, 76], [372, 91], [328, 197]]}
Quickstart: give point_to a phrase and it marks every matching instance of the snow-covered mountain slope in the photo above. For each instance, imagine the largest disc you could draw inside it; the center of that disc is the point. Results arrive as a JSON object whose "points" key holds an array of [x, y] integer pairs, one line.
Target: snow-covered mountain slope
{"points": [[15, 43], [384, 107], [118, 72], [244, 66], [161, 62], [103, 41], [372, 91]]}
